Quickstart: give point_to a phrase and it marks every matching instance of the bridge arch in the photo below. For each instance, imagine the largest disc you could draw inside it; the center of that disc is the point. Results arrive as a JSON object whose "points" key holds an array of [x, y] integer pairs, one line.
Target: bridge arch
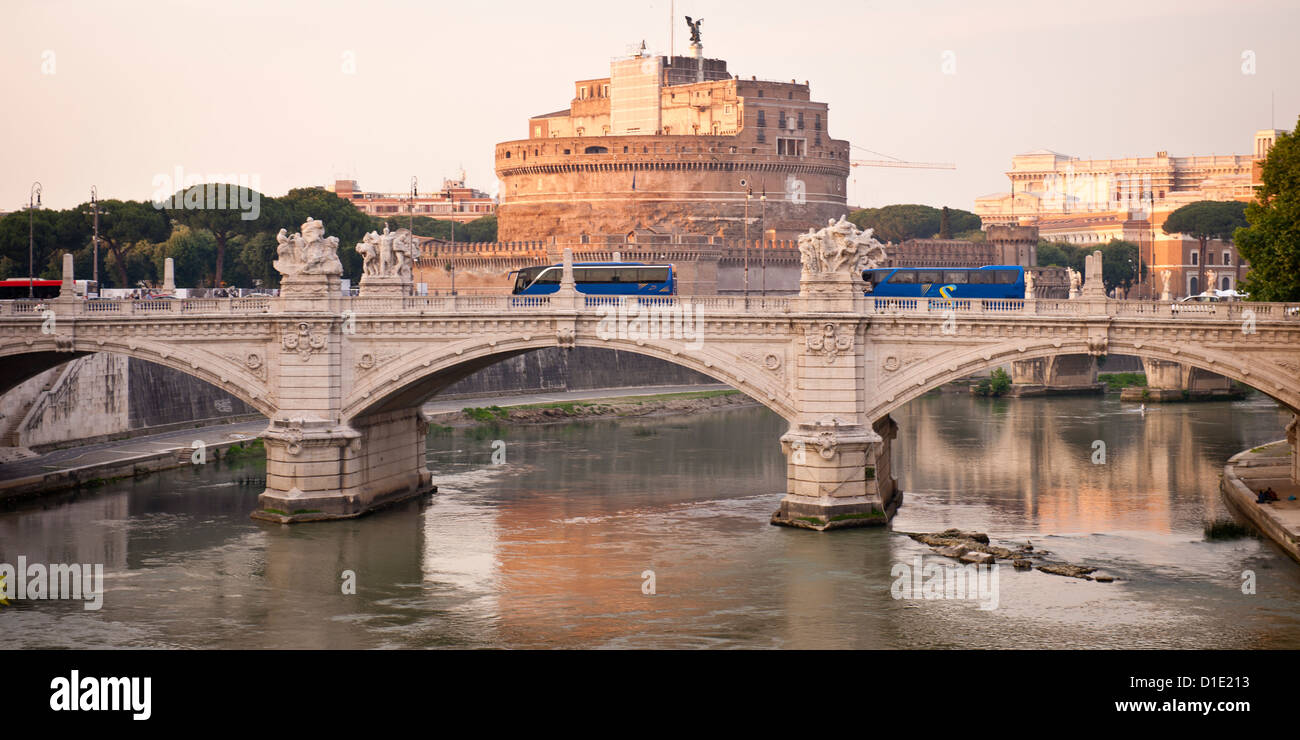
{"points": [[413, 380], [1271, 380], [22, 360]]}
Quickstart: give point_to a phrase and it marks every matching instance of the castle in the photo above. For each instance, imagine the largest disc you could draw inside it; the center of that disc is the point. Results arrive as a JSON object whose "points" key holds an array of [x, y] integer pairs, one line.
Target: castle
{"points": [[674, 145]]}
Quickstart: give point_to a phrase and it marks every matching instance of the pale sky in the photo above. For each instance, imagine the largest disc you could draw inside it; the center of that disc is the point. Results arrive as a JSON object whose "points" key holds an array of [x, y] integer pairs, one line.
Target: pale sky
{"points": [[116, 94]]}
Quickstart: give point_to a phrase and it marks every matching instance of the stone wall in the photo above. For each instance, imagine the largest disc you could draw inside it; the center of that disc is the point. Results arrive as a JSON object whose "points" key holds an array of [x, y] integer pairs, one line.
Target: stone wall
{"points": [[104, 395], [580, 368]]}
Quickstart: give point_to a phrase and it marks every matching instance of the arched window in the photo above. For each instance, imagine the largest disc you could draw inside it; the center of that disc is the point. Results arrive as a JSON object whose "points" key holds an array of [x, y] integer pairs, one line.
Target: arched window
{"points": [[1227, 283], [595, 150]]}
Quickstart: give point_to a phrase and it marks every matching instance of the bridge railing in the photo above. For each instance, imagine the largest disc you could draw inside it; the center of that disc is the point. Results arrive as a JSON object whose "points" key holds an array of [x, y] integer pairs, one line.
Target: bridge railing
{"points": [[1233, 310]]}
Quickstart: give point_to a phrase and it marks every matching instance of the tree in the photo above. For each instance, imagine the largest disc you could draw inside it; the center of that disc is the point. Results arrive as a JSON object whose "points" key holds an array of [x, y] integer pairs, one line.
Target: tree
{"points": [[898, 223], [1119, 260], [52, 231], [1205, 220], [192, 252], [1061, 254], [1271, 241], [482, 229], [122, 225], [203, 207]]}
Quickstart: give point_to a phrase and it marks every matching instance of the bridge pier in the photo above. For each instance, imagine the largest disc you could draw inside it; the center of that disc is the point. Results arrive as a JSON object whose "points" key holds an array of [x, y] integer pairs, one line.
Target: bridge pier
{"points": [[316, 470], [1174, 381], [1057, 374], [838, 476]]}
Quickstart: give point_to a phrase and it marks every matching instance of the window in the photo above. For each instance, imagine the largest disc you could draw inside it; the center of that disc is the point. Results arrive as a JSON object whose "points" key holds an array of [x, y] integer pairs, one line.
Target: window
{"points": [[1005, 277], [593, 150], [760, 93], [537, 130], [791, 147], [1209, 258], [1193, 286], [800, 124], [582, 92], [817, 122], [904, 277], [762, 119], [1227, 283], [781, 120], [604, 91], [956, 277], [1227, 258], [1196, 258], [928, 276], [981, 277]]}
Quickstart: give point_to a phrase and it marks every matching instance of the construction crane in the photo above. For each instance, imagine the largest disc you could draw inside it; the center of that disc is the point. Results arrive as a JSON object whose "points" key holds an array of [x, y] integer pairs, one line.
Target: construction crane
{"points": [[896, 162]]}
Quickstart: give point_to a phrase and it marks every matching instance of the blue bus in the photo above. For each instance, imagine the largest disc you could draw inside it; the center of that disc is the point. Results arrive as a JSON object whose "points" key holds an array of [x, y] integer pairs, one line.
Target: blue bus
{"points": [[990, 281], [599, 278]]}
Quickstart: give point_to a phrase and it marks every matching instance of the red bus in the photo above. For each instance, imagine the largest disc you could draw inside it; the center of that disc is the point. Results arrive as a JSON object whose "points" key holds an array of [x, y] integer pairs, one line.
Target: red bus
{"points": [[17, 289]]}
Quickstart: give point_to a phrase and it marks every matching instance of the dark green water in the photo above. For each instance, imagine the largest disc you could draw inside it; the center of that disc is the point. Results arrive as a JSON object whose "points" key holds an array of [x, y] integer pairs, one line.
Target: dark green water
{"points": [[549, 549]]}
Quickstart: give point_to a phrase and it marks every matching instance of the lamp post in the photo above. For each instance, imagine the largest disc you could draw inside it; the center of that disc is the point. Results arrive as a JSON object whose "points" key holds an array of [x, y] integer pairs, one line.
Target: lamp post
{"points": [[749, 193], [414, 191], [94, 269], [762, 235], [33, 202]]}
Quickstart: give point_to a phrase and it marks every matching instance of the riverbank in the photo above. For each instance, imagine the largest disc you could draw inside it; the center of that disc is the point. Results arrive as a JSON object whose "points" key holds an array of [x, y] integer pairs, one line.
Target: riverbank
{"points": [[1266, 466], [96, 464]]}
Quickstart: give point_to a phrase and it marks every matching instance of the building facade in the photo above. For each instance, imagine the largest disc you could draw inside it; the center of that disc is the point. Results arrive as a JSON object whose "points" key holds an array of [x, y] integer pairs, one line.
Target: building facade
{"points": [[674, 146], [455, 201], [1089, 202]]}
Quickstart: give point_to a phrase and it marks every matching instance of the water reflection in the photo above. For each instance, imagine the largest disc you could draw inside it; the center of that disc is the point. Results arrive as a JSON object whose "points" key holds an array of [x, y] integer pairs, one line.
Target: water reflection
{"points": [[550, 549]]}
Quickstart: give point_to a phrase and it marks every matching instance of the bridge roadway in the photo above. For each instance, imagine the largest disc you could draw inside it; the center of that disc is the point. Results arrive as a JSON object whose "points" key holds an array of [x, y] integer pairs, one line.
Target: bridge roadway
{"points": [[342, 380]]}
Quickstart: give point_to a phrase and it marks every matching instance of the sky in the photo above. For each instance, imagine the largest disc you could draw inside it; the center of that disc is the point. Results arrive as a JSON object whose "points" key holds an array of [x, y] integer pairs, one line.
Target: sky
{"points": [[118, 95]]}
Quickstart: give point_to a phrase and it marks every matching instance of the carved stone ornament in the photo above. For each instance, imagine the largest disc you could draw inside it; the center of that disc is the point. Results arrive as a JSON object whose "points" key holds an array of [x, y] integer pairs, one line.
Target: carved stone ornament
{"points": [[828, 341], [564, 337], [826, 442], [304, 340]]}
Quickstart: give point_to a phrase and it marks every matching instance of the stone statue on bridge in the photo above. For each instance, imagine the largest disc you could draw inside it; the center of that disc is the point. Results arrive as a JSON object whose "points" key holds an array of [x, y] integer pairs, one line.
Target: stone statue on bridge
{"points": [[388, 255], [1165, 295], [387, 261], [309, 252], [1076, 281], [840, 247]]}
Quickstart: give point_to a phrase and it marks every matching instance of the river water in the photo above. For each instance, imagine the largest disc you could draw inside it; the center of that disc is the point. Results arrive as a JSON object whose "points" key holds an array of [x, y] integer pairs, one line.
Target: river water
{"points": [[557, 546]]}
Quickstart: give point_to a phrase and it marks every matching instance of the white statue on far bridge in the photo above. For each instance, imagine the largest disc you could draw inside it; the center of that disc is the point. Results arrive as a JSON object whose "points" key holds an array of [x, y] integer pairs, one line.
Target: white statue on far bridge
{"points": [[1165, 295]]}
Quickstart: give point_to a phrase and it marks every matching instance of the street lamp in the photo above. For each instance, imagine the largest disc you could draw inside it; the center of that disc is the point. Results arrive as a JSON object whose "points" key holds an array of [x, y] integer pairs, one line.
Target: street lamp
{"points": [[749, 193], [762, 255], [33, 202], [94, 270], [414, 192]]}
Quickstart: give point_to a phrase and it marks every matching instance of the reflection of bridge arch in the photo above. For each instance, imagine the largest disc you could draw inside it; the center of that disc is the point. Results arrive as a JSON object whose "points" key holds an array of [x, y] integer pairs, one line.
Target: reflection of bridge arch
{"points": [[23, 360], [942, 370], [416, 378]]}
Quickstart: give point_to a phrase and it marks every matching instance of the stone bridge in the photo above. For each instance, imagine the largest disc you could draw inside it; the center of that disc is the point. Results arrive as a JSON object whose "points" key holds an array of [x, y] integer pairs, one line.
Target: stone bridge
{"points": [[342, 379]]}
